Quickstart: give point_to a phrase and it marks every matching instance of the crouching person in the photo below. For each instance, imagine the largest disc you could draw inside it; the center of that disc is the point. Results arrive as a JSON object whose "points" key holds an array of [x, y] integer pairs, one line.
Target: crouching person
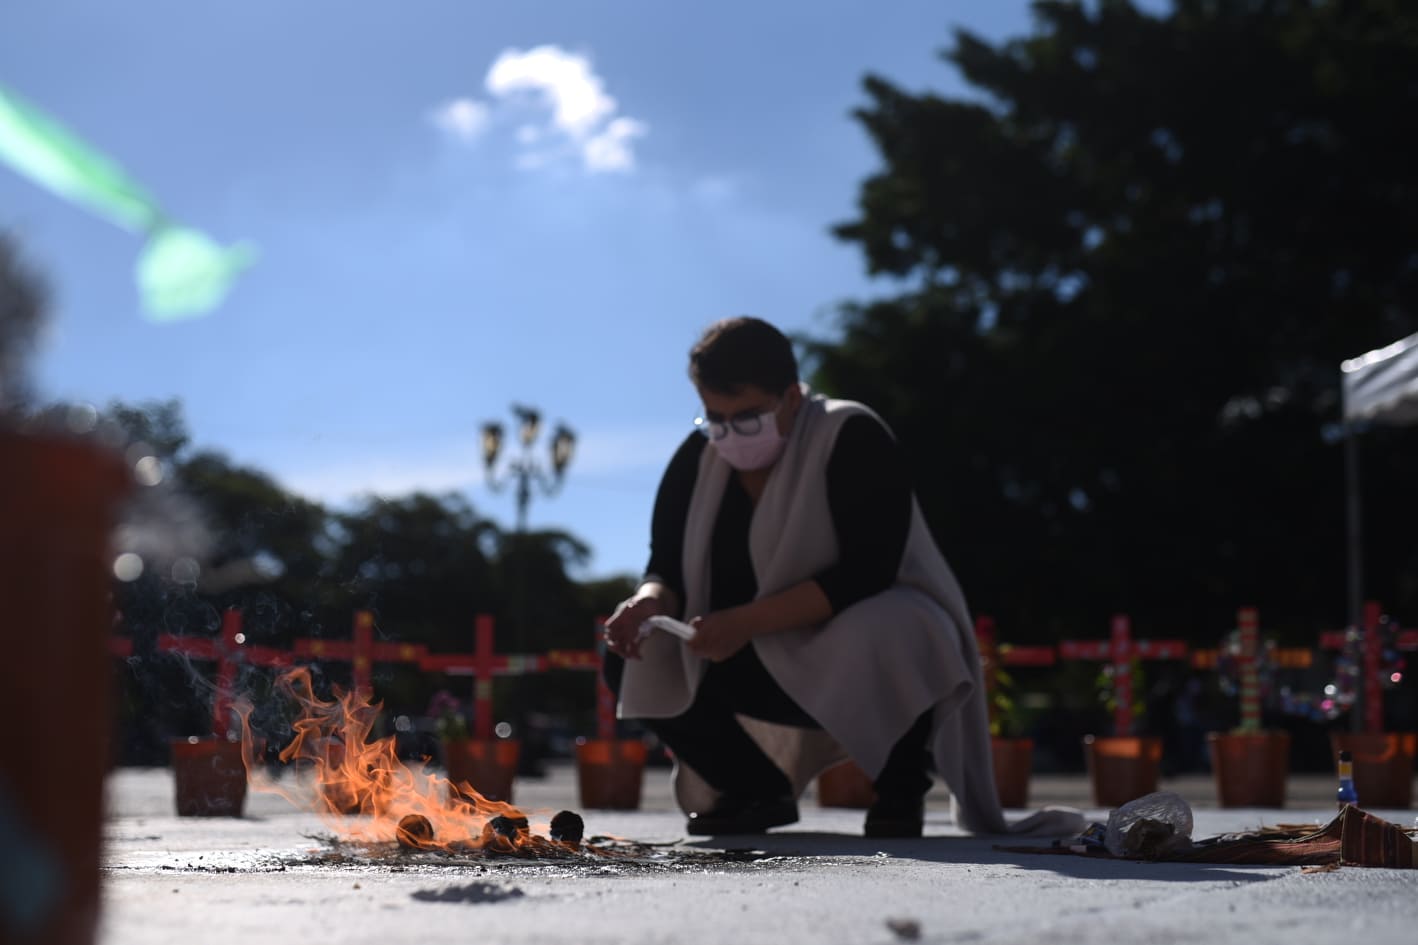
{"points": [[827, 623]]}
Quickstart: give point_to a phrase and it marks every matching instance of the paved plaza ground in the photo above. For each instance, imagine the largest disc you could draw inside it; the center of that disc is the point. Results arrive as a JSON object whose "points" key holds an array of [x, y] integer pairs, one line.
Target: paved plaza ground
{"points": [[272, 876]]}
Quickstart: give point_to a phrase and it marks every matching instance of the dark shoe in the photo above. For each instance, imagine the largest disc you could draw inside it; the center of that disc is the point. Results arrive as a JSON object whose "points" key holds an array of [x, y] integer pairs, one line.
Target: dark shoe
{"points": [[737, 814], [895, 817]]}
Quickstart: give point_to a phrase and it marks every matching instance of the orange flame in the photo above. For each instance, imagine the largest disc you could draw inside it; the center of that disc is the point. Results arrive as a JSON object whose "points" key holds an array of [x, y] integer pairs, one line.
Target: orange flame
{"points": [[355, 776]]}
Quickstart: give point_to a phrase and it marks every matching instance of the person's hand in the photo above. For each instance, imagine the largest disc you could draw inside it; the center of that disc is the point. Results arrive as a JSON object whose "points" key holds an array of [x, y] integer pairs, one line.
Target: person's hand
{"points": [[721, 634], [622, 631]]}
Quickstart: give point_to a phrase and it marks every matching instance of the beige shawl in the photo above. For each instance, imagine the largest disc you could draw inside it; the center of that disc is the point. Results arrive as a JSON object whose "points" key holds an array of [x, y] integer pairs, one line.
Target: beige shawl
{"points": [[866, 674]]}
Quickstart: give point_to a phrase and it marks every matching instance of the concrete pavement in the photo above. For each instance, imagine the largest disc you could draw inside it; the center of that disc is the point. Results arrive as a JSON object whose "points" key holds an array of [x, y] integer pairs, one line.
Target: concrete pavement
{"points": [[265, 878]]}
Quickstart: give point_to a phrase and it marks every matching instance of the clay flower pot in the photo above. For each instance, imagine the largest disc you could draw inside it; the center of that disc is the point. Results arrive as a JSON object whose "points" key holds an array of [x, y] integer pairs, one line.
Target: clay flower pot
{"points": [[1383, 765], [210, 777], [488, 767], [1250, 768], [1122, 767], [609, 772], [1013, 761], [845, 785], [58, 500]]}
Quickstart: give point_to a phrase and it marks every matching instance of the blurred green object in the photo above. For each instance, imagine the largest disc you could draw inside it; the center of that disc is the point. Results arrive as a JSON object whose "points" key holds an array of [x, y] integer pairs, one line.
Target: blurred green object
{"points": [[181, 272]]}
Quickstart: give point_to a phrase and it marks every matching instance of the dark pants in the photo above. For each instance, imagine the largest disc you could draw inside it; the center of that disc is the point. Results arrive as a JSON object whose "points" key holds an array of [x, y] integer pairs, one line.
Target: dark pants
{"points": [[710, 740]]}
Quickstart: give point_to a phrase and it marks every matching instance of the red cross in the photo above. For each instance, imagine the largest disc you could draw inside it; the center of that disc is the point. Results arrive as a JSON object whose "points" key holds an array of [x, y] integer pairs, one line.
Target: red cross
{"points": [[483, 664], [229, 652], [1371, 657], [1120, 650], [1285, 657], [1248, 622], [361, 652], [605, 699], [1007, 654], [1334, 640], [1373, 664], [989, 657]]}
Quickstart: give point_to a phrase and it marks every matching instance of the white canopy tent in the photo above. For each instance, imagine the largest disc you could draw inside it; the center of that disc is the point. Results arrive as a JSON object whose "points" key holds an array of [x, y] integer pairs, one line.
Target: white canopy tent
{"points": [[1380, 386]]}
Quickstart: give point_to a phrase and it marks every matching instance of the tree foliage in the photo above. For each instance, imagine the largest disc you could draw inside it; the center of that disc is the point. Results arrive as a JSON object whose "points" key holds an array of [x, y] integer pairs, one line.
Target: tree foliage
{"points": [[23, 305], [1130, 263]]}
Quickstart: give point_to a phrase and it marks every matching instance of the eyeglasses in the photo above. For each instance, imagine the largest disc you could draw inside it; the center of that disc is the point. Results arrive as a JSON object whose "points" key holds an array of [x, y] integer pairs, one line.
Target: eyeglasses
{"points": [[748, 423]]}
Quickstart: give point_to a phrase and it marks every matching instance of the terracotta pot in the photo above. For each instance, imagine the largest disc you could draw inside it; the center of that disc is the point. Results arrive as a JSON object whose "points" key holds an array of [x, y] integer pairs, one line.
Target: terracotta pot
{"points": [[1383, 765], [845, 785], [1250, 768], [487, 766], [1014, 761], [1122, 767], [210, 777], [57, 506], [609, 772]]}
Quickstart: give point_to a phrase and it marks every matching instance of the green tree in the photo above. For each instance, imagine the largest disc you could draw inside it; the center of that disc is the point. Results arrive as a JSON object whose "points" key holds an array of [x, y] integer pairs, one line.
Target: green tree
{"points": [[545, 609], [423, 564], [158, 423], [1129, 266], [271, 551], [23, 305]]}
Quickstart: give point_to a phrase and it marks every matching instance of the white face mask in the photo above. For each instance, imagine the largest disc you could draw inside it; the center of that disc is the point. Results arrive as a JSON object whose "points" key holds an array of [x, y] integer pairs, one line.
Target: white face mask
{"points": [[752, 451]]}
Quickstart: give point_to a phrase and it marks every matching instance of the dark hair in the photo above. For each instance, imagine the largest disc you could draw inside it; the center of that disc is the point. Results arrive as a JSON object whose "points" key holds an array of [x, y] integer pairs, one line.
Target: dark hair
{"points": [[738, 352]]}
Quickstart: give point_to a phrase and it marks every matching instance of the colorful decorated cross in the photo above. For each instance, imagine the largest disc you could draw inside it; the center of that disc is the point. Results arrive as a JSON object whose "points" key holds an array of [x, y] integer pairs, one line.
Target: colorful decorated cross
{"points": [[483, 664], [993, 652], [1284, 657], [361, 651], [993, 657], [1373, 660], [1248, 623], [1121, 649], [1377, 668], [989, 656]]}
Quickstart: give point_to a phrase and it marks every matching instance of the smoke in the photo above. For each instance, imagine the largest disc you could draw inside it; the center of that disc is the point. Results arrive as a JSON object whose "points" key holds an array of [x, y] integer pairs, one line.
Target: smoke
{"points": [[164, 528]]}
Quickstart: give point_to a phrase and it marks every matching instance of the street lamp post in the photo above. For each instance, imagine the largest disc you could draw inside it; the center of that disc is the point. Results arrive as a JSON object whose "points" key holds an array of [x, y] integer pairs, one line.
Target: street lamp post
{"points": [[527, 475], [524, 470]]}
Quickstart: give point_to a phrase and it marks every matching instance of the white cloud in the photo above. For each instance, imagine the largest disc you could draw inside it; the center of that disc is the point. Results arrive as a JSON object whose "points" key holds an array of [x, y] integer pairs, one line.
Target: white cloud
{"points": [[534, 160], [563, 80], [613, 452], [610, 150], [344, 472], [582, 119], [338, 481], [714, 190], [463, 118]]}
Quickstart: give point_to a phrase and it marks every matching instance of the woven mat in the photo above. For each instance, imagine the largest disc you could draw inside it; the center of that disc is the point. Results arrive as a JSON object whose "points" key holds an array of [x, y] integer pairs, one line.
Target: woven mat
{"points": [[1354, 838]]}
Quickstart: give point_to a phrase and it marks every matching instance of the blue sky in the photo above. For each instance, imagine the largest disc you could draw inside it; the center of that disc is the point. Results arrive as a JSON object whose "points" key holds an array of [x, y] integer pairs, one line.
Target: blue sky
{"points": [[460, 205]]}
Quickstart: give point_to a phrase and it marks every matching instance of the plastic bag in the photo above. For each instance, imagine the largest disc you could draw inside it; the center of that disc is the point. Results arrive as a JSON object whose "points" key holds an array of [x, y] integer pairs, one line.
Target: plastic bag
{"points": [[1151, 825]]}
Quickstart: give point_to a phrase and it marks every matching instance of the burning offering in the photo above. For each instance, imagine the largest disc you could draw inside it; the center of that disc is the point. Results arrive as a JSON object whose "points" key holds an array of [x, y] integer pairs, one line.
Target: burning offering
{"points": [[367, 792], [568, 827], [504, 833], [381, 811], [415, 832]]}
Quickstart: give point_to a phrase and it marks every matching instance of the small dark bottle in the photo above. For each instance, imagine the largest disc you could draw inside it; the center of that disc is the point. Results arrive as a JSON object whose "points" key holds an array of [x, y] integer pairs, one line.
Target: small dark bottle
{"points": [[1346, 793]]}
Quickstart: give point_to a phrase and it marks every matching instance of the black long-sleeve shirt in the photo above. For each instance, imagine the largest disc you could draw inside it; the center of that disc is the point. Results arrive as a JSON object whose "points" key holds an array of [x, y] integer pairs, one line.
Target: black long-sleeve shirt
{"points": [[868, 496]]}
